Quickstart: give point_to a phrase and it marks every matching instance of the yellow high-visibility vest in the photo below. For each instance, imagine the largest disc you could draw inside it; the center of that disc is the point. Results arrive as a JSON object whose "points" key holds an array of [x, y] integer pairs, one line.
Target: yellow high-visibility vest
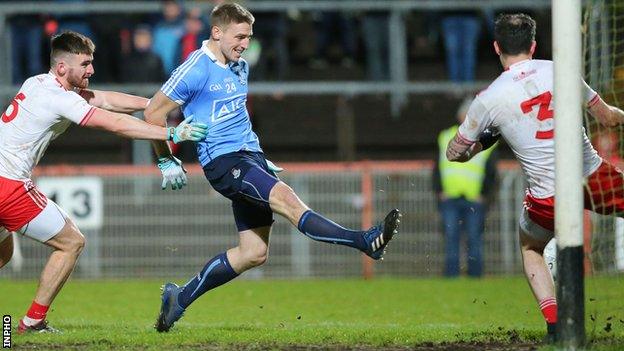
{"points": [[457, 178]]}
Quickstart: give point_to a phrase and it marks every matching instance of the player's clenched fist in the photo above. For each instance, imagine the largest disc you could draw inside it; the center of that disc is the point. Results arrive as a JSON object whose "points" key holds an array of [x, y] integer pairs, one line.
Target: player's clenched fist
{"points": [[173, 172], [188, 130]]}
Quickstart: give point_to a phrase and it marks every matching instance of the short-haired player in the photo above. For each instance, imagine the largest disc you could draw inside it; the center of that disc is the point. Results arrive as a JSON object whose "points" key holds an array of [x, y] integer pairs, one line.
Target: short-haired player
{"points": [[518, 106], [44, 107], [211, 85]]}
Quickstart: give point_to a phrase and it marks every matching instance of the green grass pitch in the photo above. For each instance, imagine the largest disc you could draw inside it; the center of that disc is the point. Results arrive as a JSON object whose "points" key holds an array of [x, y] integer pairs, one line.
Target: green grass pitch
{"points": [[390, 314]]}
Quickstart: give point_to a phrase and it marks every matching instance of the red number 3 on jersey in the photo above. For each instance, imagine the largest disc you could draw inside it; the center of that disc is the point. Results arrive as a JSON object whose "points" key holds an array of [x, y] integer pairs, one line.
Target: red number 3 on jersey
{"points": [[14, 108], [544, 112]]}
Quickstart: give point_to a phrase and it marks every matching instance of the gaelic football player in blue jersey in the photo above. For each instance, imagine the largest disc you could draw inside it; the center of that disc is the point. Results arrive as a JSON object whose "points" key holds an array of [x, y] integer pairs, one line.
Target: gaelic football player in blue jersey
{"points": [[211, 86]]}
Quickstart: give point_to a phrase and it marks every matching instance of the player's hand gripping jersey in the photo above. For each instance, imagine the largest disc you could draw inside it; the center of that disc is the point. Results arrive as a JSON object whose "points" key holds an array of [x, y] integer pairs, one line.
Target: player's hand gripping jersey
{"points": [[39, 113], [520, 104], [214, 94]]}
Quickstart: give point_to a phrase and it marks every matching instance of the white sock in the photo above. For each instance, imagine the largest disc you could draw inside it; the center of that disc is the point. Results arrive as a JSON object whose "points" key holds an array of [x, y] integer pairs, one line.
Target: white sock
{"points": [[30, 321]]}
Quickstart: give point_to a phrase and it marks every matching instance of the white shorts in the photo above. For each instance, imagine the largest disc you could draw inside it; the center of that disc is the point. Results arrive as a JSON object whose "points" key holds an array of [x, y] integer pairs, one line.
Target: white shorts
{"points": [[46, 224], [533, 229]]}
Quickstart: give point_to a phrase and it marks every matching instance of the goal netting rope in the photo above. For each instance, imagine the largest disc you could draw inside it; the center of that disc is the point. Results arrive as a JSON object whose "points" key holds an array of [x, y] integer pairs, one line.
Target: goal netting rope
{"points": [[603, 49]]}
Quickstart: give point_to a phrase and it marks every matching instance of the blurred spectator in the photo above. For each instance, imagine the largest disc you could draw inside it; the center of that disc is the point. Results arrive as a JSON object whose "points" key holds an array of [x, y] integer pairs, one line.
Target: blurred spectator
{"points": [[462, 190], [195, 31], [375, 31], [113, 35], [142, 65], [327, 25], [423, 32], [26, 51], [607, 143], [167, 35], [460, 31], [108, 32], [271, 29], [74, 23], [56, 24]]}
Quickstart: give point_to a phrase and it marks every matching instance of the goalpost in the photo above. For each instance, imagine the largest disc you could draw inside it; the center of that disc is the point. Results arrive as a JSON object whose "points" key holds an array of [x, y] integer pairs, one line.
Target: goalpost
{"points": [[567, 59]]}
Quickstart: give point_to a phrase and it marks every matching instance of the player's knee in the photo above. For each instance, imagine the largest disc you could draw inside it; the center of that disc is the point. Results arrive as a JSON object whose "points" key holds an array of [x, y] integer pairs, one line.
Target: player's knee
{"points": [[75, 242], [257, 256], [259, 260], [282, 193], [79, 243]]}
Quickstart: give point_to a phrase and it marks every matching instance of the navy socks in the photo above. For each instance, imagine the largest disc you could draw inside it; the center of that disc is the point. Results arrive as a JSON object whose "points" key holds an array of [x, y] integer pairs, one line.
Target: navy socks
{"points": [[216, 272], [322, 229]]}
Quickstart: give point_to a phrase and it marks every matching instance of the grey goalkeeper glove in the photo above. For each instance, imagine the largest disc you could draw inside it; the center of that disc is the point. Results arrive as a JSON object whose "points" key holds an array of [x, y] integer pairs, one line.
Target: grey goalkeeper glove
{"points": [[187, 131], [173, 172]]}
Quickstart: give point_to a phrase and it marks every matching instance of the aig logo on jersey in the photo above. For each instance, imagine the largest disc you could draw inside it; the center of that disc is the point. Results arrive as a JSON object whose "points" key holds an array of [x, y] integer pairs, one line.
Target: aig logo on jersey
{"points": [[223, 109]]}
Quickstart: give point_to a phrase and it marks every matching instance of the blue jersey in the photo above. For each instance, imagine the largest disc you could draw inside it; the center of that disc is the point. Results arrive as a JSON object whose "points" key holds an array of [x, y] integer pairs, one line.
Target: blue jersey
{"points": [[214, 94]]}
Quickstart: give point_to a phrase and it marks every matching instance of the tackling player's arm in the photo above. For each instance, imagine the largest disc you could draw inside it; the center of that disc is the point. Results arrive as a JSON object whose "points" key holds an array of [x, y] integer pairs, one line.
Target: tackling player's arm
{"points": [[125, 125], [605, 114], [114, 101], [131, 127]]}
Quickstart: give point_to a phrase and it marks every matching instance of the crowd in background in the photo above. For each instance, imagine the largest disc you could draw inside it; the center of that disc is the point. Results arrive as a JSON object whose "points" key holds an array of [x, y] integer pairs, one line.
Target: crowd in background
{"points": [[140, 48]]}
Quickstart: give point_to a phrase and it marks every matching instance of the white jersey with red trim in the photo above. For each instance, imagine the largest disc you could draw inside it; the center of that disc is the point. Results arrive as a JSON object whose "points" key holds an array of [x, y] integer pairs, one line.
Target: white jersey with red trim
{"points": [[519, 103], [39, 113]]}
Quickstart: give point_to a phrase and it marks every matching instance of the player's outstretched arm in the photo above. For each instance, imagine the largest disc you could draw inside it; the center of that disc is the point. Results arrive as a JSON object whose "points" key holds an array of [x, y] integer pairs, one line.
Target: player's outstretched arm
{"points": [[114, 101], [605, 114], [134, 128]]}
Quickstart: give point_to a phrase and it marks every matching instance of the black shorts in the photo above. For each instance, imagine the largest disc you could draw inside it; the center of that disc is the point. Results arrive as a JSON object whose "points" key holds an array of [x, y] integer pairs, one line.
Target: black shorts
{"points": [[245, 178]]}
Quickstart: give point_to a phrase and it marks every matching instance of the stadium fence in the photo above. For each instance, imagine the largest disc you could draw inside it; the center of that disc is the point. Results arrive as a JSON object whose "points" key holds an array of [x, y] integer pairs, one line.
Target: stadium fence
{"points": [[147, 232]]}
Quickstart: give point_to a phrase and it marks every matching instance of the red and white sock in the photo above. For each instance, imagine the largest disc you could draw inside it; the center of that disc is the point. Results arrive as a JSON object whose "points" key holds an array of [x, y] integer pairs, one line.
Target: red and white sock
{"points": [[36, 313], [548, 306]]}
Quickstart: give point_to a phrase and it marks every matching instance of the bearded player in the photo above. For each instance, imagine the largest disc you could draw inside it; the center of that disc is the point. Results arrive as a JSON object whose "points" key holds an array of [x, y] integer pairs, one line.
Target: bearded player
{"points": [[44, 107]]}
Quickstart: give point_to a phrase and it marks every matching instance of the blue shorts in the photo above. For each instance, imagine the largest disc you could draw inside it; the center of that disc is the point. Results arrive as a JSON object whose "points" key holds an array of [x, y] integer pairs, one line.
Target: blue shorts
{"points": [[244, 177]]}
